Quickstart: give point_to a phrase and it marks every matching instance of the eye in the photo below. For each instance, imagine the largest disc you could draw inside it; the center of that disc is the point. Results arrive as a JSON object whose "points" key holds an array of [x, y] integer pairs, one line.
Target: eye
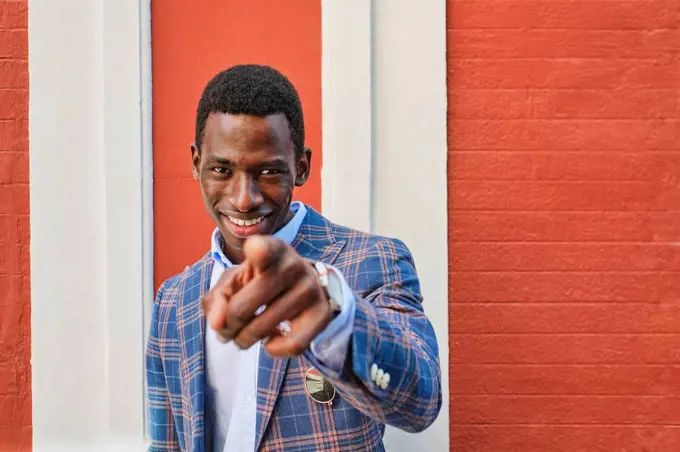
{"points": [[220, 170], [270, 172]]}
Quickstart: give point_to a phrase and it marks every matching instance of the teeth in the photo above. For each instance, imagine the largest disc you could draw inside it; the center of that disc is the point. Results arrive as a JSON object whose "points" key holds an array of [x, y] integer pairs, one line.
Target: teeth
{"points": [[246, 222]]}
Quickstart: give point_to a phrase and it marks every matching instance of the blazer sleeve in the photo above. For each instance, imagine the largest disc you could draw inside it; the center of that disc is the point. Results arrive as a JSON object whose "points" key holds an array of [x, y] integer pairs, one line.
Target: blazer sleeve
{"points": [[162, 430], [391, 335]]}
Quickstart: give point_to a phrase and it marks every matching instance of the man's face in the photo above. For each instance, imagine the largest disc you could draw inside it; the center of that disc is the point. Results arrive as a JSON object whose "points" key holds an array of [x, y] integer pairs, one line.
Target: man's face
{"points": [[247, 170]]}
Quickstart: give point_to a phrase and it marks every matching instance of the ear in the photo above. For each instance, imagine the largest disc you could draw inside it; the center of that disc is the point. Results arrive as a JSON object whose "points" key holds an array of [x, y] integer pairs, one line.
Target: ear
{"points": [[304, 166], [195, 161]]}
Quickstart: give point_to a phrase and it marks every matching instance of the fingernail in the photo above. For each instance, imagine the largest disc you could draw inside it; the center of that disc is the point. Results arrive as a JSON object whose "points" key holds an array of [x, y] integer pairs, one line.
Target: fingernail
{"points": [[223, 336]]}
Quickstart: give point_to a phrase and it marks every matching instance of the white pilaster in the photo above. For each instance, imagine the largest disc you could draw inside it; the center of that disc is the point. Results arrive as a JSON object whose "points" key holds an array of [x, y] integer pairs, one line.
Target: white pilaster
{"points": [[394, 120], [87, 63], [347, 141]]}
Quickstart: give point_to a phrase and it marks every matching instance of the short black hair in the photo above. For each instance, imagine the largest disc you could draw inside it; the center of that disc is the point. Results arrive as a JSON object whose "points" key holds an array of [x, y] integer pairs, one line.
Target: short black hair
{"points": [[256, 90]]}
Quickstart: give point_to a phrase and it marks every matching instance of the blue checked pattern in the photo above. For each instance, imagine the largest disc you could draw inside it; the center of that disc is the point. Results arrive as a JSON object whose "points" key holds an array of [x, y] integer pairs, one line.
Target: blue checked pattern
{"points": [[390, 330]]}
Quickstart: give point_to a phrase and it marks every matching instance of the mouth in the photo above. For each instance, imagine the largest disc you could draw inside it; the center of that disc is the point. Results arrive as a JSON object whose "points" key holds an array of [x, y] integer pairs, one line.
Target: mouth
{"points": [[245, 228], [239, 222]]}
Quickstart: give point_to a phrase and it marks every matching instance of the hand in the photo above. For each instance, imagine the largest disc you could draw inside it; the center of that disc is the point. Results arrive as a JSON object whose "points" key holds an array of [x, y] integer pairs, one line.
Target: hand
{"points": [[274, 275], [215, 301]]}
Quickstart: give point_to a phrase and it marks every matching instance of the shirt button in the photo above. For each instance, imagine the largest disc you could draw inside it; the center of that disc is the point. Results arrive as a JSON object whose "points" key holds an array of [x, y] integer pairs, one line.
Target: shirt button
{"points": [[249, 400]]}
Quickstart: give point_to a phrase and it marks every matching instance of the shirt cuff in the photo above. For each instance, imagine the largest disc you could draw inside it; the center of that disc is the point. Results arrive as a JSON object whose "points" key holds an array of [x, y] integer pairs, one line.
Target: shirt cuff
{"points": [[331, 345]]}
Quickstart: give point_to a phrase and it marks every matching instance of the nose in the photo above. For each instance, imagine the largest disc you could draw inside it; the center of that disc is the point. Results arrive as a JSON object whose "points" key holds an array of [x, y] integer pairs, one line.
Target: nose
{"points": [[246, 195]]}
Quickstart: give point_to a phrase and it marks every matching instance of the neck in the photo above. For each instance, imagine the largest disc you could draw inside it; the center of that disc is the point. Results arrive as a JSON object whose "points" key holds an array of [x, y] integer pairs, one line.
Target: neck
{"points": [[234, 255]]}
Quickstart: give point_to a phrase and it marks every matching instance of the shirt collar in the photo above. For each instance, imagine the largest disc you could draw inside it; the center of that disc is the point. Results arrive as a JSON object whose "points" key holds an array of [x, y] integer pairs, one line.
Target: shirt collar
{"points": [[286, 233]]}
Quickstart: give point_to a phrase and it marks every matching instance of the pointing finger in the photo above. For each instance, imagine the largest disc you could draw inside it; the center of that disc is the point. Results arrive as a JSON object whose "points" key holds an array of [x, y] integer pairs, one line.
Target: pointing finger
{"points": [[263, 252]]}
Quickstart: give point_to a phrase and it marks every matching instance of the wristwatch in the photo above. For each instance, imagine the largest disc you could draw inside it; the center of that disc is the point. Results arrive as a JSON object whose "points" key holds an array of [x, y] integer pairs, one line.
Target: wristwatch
{"points": [[331, 284]]}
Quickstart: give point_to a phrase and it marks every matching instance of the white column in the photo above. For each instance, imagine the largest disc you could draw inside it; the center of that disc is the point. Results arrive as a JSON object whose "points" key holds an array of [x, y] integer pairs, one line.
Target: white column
{"points": [[88, 274], [347, 141], [409, 173], [385, 149]]}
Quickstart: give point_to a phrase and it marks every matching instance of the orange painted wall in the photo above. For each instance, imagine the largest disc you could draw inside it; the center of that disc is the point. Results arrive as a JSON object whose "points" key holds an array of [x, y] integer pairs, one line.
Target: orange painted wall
{"points": [[15, 294], [564, 217], [189, 45]]}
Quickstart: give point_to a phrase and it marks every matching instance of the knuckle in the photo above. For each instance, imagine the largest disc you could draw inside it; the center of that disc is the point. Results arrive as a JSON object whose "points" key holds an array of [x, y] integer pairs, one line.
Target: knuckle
{"points": [[310, 289], [208, 296], [237, 315], [226, 277], [243, 341], [276, 247], [291, 268], [205, 301], [274, 243], [296, 347], [214, 323]]}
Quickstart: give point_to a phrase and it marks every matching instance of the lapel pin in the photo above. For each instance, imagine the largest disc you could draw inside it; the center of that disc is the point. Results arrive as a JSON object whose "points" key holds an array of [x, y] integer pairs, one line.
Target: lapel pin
{"points": [[318, 387]]}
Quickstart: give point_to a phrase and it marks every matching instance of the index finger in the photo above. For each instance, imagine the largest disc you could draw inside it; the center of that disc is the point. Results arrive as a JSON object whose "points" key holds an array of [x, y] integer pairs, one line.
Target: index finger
{"points": [[263, 252]]}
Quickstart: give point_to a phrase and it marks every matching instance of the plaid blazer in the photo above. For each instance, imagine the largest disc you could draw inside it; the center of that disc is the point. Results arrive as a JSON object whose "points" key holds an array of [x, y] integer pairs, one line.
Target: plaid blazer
{"points": [[390, 330]]}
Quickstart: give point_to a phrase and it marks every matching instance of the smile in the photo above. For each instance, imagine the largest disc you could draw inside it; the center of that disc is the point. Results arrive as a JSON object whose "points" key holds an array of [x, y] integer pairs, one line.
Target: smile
{"points": [[239, 222]]}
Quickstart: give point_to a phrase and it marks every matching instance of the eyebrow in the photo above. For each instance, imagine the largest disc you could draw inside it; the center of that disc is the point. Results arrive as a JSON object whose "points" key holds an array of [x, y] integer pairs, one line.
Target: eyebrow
{"points": [[275, 162], [220, 161], [278, 162]]}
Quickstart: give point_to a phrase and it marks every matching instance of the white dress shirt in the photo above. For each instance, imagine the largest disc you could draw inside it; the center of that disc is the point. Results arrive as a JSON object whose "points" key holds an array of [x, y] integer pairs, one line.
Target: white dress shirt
{"points": [[232, 373]]}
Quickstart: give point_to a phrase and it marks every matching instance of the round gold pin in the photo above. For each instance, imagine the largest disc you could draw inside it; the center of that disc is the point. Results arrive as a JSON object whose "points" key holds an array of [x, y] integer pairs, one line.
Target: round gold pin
{"points": [[318, 387]]}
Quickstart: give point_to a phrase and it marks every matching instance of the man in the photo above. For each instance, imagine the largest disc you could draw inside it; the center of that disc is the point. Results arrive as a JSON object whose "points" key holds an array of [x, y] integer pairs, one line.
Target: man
{"points": [[292, 333]]}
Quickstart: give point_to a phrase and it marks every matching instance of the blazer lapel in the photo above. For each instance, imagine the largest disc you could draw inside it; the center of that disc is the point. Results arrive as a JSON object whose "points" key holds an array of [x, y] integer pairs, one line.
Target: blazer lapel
{"points": [[314, 241], [191, 333]]}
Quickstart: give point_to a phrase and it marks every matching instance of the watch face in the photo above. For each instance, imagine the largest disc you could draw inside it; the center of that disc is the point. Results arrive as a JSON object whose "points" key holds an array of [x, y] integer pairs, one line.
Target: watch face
{"points": [[334, 287]]}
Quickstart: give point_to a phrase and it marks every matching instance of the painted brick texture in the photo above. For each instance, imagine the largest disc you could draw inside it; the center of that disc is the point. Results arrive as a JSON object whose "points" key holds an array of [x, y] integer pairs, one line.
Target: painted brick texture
{"points": [[15, 316], [564, 225]]}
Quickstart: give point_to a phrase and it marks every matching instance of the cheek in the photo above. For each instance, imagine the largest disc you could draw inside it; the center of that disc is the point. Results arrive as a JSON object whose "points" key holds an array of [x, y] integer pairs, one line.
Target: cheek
{"points": [[212, 190], [285, 194], [286, 200], [277, 194]]}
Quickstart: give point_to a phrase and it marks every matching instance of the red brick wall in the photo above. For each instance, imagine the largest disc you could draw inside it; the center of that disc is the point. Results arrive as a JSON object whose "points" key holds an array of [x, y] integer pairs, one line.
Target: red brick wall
{"points": [[564, 225], [15, 308]]}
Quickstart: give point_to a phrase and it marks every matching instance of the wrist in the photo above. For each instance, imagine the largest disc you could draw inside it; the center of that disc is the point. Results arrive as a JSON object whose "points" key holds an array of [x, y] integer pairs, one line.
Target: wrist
{"points": [[331, 286]]}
